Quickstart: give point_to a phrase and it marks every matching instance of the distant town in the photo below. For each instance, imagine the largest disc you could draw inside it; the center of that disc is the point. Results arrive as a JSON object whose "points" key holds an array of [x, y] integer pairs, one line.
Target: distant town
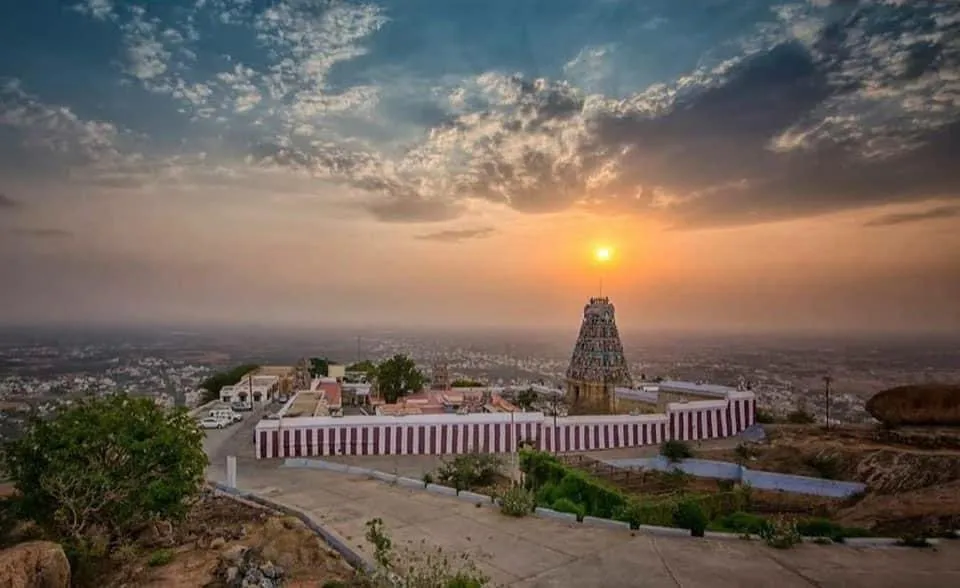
{"points": [[39, 373]]}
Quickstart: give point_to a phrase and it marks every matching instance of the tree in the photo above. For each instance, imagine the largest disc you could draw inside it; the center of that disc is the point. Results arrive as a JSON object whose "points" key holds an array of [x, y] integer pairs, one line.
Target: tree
{"points": [[526, 398], [217, 381], [319, 367], [366, 366], [398, 376], [95, 474]]}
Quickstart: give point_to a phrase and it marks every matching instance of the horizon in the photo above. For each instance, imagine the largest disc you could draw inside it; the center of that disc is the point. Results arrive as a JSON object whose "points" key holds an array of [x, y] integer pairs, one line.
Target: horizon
{"points": [[746, 167]]}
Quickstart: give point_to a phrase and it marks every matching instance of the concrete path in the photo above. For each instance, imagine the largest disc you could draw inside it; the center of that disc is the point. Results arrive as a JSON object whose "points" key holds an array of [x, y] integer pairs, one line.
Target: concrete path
{"points": [[532, 552]]}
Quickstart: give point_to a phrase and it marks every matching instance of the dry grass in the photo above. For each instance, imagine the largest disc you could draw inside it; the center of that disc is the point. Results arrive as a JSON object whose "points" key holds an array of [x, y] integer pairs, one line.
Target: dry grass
{"points": [[216, 524], [923, 404]]}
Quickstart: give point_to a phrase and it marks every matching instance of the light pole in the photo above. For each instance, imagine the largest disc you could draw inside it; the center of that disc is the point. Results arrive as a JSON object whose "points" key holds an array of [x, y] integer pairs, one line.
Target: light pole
{"points": [[826, 389]]}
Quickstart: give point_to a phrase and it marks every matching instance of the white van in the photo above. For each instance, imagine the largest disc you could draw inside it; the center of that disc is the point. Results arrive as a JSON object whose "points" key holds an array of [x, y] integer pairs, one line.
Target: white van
{"points": [[226, 415]]}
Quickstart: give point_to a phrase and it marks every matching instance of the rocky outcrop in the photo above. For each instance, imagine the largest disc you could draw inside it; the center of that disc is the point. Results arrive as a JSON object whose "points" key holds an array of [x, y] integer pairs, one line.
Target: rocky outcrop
{"points": [[37, 564], [246, 567], [922, 404]]}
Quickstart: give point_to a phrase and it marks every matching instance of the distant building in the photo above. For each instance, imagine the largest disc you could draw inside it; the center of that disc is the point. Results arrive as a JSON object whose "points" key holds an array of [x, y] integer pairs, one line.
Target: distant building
{"points": [[597, 365]]}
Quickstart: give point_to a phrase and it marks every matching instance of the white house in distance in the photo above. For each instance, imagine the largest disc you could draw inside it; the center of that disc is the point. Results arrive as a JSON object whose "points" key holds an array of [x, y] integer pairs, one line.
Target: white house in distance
{"points": [[253, 388]]}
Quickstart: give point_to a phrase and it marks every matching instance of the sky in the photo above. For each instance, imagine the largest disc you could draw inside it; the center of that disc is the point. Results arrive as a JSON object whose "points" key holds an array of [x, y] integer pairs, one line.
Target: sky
{"points": [[752, 165]]}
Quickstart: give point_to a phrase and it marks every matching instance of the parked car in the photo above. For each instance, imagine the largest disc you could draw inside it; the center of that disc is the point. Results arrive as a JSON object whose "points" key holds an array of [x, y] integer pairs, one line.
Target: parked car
{"points": [[282, 399], [241, 406], [212, 423], [226, 414]]}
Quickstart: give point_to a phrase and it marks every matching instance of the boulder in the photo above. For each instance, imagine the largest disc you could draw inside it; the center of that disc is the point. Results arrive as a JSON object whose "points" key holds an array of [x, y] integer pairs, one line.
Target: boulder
{"points": [[921, 404], [37, 564]]}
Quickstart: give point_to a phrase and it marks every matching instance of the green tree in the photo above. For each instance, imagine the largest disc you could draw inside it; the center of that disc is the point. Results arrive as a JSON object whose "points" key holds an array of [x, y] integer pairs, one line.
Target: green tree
{"points": [[95, 474], [397, 377], [366, 366], [213, 384], [526, 398], [319, 367]]}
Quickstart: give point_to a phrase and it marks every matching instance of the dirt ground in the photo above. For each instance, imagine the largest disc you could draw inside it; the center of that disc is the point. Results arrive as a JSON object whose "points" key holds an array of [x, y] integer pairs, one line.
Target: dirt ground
{"points": [[216, 524], [912, 474]]}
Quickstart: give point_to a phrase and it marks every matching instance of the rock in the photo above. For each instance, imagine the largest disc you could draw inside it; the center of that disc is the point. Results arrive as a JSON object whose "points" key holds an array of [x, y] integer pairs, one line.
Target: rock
{"points": [[242, 567], [218, 543], [37, 564], [234, 555]]}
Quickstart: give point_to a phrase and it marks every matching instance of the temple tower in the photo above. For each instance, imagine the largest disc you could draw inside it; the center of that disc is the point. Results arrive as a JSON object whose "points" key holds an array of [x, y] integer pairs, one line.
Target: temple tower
{"points": [[597, 365]]}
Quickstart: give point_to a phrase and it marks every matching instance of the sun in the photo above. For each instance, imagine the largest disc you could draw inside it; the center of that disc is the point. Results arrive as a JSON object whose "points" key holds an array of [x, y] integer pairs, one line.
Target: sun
{"points": [[602, 254]]}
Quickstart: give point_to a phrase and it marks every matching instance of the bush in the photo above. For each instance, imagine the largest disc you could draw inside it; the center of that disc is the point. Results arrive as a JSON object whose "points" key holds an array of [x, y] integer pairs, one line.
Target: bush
{"points": [[160, 558], [800, 417], [725, 485], [826, 466], [639, 512], [568, 506], [677, 479], [470, 471], [826, 528], [517, 502], [420, 568], [781, 534], [552, 480], [676, 450], [98, 472], [743, 522], [914, 541], [765, 418], [690, 515]]}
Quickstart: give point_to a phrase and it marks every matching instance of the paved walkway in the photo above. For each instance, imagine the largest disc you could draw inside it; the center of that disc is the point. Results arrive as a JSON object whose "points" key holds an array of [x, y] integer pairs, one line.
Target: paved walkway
{"points": [[534, 552]]}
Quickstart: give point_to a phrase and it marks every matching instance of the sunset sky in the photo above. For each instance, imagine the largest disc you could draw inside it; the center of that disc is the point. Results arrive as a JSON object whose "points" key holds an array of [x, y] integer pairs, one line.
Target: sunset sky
{"points": [[750, 164]]}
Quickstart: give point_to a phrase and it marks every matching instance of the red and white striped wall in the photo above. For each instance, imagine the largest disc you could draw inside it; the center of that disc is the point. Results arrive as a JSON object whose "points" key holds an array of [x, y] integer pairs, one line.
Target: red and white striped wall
{"points": [[500, 433]]}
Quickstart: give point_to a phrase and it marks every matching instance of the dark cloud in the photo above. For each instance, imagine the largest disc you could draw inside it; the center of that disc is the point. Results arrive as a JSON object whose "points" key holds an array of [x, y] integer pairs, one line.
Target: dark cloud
{"points": [[940, 212], [8, 203], [43, 233], [457, 235], [860, 116]]}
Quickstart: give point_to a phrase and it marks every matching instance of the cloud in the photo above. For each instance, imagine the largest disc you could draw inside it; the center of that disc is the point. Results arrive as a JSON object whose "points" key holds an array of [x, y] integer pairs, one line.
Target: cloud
{"points": [[457, 235], [39, 233], [937, 213], [96, 9], [8, 203], [57, 129], [823, 106]]}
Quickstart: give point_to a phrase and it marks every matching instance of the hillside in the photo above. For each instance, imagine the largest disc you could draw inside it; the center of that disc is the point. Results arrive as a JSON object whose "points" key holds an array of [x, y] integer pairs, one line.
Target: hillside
{"points": [[221, 543]]}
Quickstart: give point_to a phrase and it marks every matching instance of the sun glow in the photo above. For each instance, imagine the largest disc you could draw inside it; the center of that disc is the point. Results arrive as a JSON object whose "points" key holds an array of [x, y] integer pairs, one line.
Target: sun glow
{"points": [[602, 254]]}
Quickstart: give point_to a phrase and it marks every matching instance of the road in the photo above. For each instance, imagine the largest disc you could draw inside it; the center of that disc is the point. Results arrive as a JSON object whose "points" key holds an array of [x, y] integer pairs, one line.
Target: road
{"points": [[534, 552]]}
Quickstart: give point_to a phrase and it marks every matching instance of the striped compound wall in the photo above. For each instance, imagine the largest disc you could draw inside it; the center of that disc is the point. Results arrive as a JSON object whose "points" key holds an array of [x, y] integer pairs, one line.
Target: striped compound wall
{"points": [[499, 432]]}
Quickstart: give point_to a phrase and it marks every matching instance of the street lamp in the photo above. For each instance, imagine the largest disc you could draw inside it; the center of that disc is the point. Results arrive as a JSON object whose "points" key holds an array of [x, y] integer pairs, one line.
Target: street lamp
{"points": [[826, 385]]}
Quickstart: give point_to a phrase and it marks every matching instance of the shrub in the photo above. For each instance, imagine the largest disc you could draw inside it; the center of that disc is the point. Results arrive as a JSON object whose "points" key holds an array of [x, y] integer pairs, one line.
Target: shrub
{"points": [[829, 529], [428, 478], [689, 515], [517, 501], [677, 479], [743, 522], [568, 506], [160, 558], [98, 472], [826, 466], [419, 568], [552, 480], [676, 450], [765, 418], [800, 417], [638, 512], [914, 541], [781, 533], [470, 471], [725, 485], [743, 453]]}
